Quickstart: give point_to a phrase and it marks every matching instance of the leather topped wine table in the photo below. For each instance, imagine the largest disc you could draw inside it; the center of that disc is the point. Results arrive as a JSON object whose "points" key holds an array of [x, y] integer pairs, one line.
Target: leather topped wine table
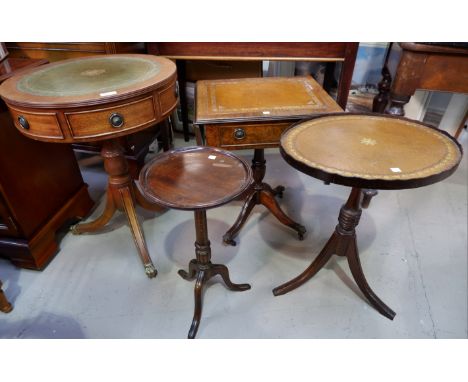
{"points": [[196, 179], [251, 114], [365, 152], [99, 98]]}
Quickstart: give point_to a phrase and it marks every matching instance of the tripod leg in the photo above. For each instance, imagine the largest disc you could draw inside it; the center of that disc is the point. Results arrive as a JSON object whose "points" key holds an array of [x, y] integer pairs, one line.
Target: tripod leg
{"points": [[268, 200], [355, 265], [313, 268], [220, 269], [198, 291], [99, 222], [129, 208], [190, 275], [249, 204]]}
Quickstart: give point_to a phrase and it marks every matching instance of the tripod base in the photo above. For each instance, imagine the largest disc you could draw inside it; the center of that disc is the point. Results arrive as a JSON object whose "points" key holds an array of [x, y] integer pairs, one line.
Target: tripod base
{"points": [[202, 270], [343, 243], [261, 193], [122, 194]]}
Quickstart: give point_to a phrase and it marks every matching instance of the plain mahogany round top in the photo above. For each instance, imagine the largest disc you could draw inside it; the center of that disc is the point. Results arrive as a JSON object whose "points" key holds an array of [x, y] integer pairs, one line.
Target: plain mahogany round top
{"points": [[192, 178], [371, 151], [88, 80]]}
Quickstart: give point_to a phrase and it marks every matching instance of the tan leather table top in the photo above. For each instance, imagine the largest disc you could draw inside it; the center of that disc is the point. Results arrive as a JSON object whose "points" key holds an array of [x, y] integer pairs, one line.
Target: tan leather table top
{"points": [[265, 98], [371, 151]]}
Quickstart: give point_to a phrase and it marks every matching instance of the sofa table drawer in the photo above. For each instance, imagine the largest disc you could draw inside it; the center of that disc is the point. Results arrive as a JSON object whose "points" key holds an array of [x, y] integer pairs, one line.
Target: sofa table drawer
{"points": [[239, 136]]}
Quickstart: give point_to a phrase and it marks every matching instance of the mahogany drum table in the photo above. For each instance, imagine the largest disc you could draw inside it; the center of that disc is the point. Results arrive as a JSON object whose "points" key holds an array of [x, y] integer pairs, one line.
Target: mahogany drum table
{"points": [[99, 98], [196, 179], [251, 114], [365, 152]]}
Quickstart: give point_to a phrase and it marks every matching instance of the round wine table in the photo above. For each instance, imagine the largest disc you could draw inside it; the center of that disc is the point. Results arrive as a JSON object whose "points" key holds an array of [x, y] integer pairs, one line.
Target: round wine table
{"points": [[365, 152], [196, 179], [98, 98]]}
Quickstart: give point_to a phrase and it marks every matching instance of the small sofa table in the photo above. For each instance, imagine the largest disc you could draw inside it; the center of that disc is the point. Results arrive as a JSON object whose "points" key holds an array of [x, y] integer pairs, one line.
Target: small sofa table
{"points": [[196, 179], [99, 98], [365, 152], [251, 114]]}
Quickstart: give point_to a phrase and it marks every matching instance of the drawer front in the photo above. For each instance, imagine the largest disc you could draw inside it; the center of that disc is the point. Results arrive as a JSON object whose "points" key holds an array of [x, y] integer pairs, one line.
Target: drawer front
{"points": [[237, 136], [167, 99], [40, 125], [96, 123]]}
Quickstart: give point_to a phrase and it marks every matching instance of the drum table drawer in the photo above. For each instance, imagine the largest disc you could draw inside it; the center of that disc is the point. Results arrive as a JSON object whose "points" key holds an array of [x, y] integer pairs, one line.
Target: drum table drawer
{"points": [[37, 124], [241, 136], [108, 121]]}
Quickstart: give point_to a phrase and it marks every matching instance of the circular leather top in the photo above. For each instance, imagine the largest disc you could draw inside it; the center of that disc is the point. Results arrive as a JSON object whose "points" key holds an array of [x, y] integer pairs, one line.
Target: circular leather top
{"points": [[192, 178], [96, 79], [371, 151]]}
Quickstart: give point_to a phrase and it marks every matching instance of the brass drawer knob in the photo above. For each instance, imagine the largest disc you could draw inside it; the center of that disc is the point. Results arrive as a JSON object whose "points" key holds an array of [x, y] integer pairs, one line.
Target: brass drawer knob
{"points": [[239, 134], [23, 122], [116, 120]]}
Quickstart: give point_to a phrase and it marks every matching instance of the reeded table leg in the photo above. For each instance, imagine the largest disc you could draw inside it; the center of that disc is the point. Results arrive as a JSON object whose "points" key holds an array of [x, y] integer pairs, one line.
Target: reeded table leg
{"points": [[261, 193], [202, 269], [343, 243], [122, 194], [5, 305]]}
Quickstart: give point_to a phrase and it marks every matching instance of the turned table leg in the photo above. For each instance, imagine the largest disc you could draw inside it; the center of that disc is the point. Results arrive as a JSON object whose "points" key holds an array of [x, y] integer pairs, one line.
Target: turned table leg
{"points": [[261, 193], [343, 243], [5, 305], [122, 194], [202, 269]]}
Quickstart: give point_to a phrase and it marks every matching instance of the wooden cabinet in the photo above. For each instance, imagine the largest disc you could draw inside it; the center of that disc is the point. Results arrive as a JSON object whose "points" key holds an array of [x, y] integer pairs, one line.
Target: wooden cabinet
{"points": [[41, 188]]}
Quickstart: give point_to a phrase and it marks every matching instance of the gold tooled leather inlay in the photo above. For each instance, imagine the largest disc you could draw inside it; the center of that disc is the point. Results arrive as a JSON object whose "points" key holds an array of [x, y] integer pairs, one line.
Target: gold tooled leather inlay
{"points": [[371, 147]]}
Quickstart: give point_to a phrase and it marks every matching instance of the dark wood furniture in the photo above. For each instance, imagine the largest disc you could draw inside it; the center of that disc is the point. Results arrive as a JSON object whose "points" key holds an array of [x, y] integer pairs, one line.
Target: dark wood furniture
{"points": [[252, 114], [99, 98], [5, 305], [365, 152], [136, 146], [344, 52], [34, 200], [196, 179], [410, 66]]}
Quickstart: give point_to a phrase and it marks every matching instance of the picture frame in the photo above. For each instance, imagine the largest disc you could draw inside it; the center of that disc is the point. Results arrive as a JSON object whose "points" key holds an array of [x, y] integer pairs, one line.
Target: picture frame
{"points": [[3, 51]]}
